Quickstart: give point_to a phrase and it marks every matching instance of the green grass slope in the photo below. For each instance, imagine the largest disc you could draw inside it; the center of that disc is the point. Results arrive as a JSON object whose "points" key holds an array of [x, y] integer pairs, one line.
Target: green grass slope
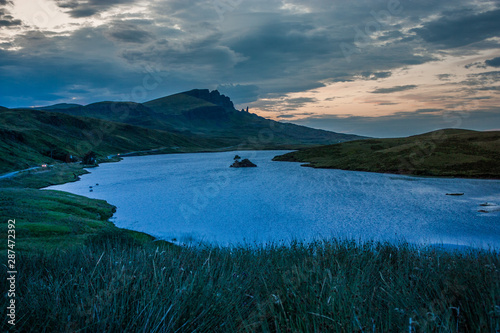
{"points": [[176, 104], [123, 112], [60, 106], [32, 137], [449, 152], [52, 219]]}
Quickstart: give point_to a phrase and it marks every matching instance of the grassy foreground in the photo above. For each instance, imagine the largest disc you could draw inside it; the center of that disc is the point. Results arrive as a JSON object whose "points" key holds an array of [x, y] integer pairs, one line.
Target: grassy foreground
{"points": [[116, 284]]}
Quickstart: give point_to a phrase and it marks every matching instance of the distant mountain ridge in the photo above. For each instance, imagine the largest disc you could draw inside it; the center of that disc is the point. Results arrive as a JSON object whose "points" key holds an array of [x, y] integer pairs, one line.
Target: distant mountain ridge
{"points": [[208, 114]]}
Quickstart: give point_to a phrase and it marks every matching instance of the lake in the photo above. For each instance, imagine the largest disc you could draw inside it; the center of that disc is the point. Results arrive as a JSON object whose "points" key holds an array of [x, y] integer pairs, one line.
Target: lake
{"points": [[196, 198]]}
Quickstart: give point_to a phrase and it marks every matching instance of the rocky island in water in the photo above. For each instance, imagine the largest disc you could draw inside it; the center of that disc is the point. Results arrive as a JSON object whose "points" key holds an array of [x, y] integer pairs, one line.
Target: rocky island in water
{"points": [[245, 163]]}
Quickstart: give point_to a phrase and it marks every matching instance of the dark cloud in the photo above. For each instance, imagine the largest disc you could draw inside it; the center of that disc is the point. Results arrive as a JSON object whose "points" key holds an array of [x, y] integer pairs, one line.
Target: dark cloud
{"points": [[445, 77], [376, 75], [86, 8], [131, 36], [283, 104], [428, 110], [477, 64], [129, 33], [479, 98], [85, 69], [460, 28], [292, 54], [283, 49], [495, 62], [295, 115], [83, 12], [201, 57], [492, 75], [491, 88], [7, 20], [393, 89], [294, 103], [482, 81]]}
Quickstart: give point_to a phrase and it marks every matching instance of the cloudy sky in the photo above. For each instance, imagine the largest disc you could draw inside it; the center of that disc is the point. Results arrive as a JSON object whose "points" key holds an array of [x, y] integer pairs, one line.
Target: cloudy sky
{"points": [[372, 67]]}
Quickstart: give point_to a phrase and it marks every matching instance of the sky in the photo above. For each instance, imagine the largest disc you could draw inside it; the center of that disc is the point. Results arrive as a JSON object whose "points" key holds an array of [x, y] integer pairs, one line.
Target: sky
{"points": [[380, 68]]}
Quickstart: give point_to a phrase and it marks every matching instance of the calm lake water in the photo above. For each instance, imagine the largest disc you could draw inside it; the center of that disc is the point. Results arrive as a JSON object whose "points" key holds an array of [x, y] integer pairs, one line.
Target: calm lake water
{"points": [[197, 197]]}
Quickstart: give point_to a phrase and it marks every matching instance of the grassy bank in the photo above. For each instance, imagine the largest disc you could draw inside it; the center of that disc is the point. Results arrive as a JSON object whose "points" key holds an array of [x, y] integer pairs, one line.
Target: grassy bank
{"points": [[448, 153], [52, 220], [42, 177], [115, 284]]}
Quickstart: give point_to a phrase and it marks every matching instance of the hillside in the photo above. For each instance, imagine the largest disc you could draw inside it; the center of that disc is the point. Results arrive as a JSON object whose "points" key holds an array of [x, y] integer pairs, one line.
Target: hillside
{"points": [[450, 152], [208, 114], [32, 137], [177, 104], [123, 112], [60, 106]]}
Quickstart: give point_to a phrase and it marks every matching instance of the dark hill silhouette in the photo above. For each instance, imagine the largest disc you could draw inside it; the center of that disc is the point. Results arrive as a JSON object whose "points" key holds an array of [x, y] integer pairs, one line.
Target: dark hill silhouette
{"points": [[209, 114]]}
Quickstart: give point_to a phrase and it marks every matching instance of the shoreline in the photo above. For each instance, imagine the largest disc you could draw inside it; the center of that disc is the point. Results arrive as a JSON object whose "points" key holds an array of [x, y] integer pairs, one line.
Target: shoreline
{"points": [[398, 173], [438, 245], [312, 166], [389, 172]]}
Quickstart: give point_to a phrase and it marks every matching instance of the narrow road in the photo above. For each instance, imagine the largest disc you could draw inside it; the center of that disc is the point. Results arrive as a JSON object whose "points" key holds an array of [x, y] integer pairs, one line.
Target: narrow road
{"points": [[12, 174]]}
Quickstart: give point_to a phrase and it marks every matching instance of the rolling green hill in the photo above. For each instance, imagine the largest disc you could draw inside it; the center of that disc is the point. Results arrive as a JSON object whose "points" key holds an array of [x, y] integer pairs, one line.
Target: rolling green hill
{"points": [[449, 152], [177, 104], [123, 112], [211, 115], [60, 106], [32, 137]]}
